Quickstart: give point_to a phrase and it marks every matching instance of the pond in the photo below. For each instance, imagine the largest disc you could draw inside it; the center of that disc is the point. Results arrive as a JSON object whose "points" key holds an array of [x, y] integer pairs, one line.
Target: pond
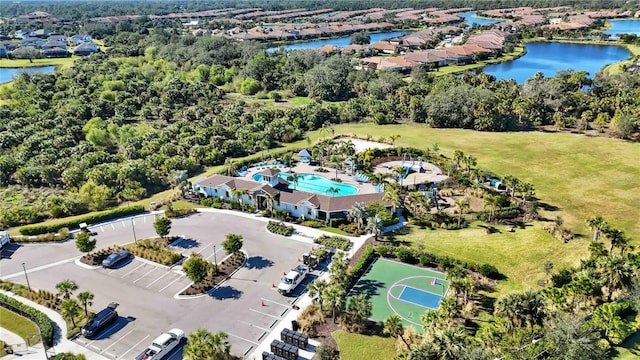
{"points": [[472, 19], [623, 27], [551, 57], [340, 42], [8, 74]]}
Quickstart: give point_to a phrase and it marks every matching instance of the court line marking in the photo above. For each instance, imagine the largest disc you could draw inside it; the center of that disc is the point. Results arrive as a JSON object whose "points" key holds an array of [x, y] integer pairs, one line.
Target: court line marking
{"points": [[412, 303], [415, 288], [139, 266], [138, 343], [142, 277], [117, 341]]}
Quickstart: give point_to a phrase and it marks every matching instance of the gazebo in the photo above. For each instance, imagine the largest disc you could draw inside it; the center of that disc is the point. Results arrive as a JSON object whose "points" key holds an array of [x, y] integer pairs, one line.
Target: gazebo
{"points": [[305, 156]]}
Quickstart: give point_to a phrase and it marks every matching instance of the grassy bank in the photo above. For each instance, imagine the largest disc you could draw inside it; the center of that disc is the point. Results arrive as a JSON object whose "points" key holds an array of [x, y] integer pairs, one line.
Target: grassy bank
{"points": [[518, 52], [630, 349], [581, 176], [19, 325], [356, 346], [617, 68]]}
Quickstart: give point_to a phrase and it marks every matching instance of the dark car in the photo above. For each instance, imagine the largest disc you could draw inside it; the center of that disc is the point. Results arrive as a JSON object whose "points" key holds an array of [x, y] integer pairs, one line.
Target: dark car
{"points": [[114, 258], [99, 321]]}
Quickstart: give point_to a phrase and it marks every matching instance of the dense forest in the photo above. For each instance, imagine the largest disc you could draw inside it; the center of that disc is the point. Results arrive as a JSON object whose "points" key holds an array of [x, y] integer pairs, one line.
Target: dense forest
{"points": [[78, 10]]}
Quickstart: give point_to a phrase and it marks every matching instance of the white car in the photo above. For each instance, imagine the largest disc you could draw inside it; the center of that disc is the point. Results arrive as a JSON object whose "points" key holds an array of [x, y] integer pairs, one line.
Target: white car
{"points": [[162, 345]]}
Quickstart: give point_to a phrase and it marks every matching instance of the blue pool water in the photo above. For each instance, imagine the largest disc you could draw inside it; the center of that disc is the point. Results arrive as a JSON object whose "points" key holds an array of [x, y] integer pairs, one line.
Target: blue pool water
{"points": [[421, 298], [315, 184]]}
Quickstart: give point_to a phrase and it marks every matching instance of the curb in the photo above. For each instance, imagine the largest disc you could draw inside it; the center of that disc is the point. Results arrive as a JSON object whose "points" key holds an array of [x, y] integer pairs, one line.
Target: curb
{"points": [[83, 265]]}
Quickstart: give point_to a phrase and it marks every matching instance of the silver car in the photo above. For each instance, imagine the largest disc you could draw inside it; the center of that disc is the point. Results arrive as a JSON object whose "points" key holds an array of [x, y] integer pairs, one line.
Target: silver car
{"points": [[116, 257]]}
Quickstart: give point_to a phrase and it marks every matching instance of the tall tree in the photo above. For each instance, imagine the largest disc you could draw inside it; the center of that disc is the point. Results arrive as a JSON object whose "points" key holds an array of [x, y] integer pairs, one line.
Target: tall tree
{"points": [[597, 224], [232, 243], [316, 289], [86, 299], [66, 288], [393, 327], [70, 310], [333, 296], [238, 194], [360, 308], [617, 272], [202, 345], [462, 206], [358, 213]]}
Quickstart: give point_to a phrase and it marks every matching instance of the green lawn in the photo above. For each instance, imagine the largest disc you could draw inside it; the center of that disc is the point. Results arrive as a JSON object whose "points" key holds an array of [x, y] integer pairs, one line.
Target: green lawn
{"points": [[630, 349], [358, 347], [449, 69], [11, 63], [519, 255], [19, 325], [614, 69], [581, 176]]}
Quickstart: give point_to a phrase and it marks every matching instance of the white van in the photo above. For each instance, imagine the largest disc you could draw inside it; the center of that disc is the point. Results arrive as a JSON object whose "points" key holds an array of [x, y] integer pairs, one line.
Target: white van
{"points": [[4, 239]]}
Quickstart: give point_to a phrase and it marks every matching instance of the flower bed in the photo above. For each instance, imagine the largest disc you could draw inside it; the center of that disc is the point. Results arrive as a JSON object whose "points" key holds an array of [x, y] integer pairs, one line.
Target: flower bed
{"points": [[279, 228], [225, 269], [336, 242]]}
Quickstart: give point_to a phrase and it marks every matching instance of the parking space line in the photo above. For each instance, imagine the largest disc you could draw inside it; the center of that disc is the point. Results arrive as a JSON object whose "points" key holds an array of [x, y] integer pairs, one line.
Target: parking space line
{"points": [[123, 225], [277, 303], [113, 227], [102, 228], [138, 343], [95, 347], [139, 266], [154, 281], [241, 338], [217, 251], [263, 313], [117, 341], [169, 284], [201, 250], [255, 326], [149, 272]]}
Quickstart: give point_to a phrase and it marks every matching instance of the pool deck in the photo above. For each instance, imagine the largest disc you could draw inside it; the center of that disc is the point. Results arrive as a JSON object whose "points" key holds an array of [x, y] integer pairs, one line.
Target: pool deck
{"points": [[302, 168]]}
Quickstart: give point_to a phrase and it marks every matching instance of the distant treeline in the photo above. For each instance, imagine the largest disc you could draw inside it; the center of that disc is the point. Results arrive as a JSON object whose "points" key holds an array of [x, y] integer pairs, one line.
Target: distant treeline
{"points": [[78, 10]]}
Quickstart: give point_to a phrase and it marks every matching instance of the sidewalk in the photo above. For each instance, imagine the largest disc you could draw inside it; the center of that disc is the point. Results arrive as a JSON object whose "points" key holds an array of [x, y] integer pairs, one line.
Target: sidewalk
{"points": [[60, 341]]}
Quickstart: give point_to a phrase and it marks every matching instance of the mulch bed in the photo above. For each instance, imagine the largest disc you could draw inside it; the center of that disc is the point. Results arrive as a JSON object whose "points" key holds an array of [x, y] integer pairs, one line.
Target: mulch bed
{"points": [[324, 332], [225, 269], [96, 258]]}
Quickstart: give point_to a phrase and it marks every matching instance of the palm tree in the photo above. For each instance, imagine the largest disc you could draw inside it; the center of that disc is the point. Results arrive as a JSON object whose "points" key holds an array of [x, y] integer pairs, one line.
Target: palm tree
{"points": [[358, 213], [202, 345], [416, 200], [449, 342], [316, 289], [597, 224], [271, 200], [477, 175], [379, 178], [338, 268], [429, 319], [617, 239], [334, 297], [449, 308], [393, 327], [458, 156], [617, 272], [86, 299], [393, 138], [70, 309], [470, 161], [360, 306], [294, 178], [232, 168], [66, 288], [462, 205], [238, 194], [392, 196], [333, 190], [374, 226], [491, 202]]}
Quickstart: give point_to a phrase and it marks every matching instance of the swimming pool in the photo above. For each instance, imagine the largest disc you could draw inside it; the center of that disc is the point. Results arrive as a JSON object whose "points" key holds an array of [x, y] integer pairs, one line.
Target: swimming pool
{"points": [[315, 184]]}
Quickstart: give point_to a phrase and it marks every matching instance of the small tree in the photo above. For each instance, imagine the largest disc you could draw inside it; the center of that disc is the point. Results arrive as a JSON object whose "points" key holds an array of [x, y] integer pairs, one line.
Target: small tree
{"points": [[232, 244], [84, 243], [70, 309], [325, 352], [197, 268], [162, 225], [66, 288], [393, 327], [86, 299]]}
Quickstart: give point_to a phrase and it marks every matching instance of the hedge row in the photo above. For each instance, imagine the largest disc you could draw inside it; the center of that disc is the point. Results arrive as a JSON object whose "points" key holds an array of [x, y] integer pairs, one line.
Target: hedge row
{"points": [[354, 274], [44, 323], [61, 235], [89, 219]]}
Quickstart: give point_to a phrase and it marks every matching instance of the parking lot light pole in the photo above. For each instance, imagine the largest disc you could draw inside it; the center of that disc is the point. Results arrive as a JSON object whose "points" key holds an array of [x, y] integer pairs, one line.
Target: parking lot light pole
{"points": [[133, 226], [215, 260], [26, 277]]}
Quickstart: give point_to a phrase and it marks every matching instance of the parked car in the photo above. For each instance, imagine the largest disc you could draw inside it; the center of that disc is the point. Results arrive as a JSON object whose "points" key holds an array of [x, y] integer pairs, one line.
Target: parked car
{"points": [[99, 321], [116, 257], [292, 279], [162, 345]]}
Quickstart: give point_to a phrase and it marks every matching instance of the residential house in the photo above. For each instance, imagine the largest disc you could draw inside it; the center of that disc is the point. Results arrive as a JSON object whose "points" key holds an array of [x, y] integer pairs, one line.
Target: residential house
{"points": [[55, 52], [273, 192], [385, 47], [85, 49], [32, 41], [54, 44], [60, 38], [9, 45], [40, 33], [34, 16], [396, 63], [3, 51], [80, 38]]}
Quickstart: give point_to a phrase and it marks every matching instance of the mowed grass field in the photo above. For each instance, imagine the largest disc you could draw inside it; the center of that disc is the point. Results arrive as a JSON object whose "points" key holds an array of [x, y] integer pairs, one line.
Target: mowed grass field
{"points": [[358, 347], [19, 325], [582, 176]]}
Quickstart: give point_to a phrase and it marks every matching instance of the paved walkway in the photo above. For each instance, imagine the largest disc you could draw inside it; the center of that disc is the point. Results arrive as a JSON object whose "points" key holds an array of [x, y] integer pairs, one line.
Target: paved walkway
{"points": [[61, 343]]}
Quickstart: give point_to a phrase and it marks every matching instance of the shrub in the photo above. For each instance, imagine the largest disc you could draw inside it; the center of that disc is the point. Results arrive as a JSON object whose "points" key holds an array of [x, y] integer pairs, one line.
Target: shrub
{"points": [[489, 271], [313, 223], [173, 213], [279, 228], [84, 243], [336, 242], [44, 323], [61, 235], [93, 218], [368, 256], [249, 86], [385, 251], [406, 255], [197, 268]]}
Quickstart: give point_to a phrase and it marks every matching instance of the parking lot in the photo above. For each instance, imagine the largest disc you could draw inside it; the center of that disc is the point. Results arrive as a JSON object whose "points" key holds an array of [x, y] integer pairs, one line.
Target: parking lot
{"points": [[246, 306]]}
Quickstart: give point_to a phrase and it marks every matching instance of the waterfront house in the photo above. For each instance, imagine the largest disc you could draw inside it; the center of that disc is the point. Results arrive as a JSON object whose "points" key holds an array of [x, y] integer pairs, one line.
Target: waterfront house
{"points": [[85, 49]]}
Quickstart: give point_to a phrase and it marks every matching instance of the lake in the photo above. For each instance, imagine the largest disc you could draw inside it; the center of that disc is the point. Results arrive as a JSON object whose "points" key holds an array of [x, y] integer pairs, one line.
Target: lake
{"points": [[551, 57], [339, 42], [472, 19], [8, 74], [623, 27]]}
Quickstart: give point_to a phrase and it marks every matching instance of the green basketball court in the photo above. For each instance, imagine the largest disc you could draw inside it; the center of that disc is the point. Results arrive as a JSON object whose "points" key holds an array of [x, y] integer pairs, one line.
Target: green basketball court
{"points": [[403, 289]]}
